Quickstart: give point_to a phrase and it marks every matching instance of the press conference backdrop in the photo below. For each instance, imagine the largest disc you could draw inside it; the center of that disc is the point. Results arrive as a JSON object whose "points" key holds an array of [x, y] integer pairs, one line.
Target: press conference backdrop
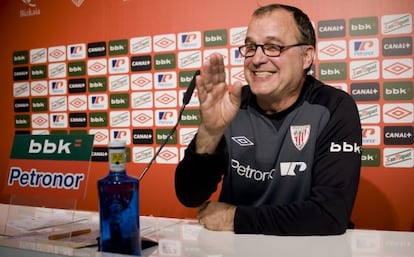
{"points": [[118, 69]]}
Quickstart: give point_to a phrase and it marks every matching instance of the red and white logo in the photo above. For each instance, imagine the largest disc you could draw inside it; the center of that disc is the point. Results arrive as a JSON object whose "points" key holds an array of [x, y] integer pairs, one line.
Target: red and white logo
{"points": [[300, 135]]}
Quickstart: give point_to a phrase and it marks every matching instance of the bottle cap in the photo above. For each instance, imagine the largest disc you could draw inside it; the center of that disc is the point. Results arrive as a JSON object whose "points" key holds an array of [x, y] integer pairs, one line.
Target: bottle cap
{"points": [[117, 143]]}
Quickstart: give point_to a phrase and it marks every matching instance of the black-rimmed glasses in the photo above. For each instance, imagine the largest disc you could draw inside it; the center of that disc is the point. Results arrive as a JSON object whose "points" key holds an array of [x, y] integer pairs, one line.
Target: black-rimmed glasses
{"points": [[271, 50]]}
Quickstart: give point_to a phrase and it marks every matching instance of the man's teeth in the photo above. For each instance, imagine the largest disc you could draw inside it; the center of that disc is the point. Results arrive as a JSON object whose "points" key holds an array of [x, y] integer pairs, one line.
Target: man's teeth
{"points": [[263, 73]]}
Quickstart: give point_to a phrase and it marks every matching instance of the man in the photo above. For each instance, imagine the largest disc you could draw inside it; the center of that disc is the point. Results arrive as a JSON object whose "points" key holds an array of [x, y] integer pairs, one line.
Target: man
{"points": [[286, 148]]}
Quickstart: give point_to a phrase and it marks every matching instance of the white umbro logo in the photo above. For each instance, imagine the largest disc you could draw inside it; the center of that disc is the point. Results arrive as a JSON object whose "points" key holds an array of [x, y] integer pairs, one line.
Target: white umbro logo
{"points": [[242, 141]]}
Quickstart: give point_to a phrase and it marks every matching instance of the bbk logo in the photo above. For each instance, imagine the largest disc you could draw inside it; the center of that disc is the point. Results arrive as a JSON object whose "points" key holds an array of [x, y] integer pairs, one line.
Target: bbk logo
{"points": [[363, 26], [398, 90], [345, 147], [38, 72], [118, 47], [370, 157], [48, 147], [97, 84], [118, 65], [164, 61], [215, 38], [20, 57], [332, 71]]}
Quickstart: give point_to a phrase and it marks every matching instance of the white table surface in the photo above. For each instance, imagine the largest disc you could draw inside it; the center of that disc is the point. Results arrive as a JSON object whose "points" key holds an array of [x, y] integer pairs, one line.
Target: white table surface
{"points": [[180, 237]]}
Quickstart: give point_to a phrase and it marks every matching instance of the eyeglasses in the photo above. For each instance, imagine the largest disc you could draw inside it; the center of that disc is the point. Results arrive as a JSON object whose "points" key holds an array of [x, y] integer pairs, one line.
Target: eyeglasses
{"points": [[271, 50]]}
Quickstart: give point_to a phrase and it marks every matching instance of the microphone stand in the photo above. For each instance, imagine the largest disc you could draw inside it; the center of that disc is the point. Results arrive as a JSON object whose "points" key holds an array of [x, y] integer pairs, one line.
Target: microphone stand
{"points": [[186, 100]]}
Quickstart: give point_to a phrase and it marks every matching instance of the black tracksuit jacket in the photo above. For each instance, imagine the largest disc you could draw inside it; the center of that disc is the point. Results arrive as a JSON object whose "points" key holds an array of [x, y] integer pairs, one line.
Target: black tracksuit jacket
{"points": [[292, 173]]}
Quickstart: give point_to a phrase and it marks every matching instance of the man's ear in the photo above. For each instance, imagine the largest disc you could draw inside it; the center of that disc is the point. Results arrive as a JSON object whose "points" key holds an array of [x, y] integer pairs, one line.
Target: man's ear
{"points": [[308, 56]]}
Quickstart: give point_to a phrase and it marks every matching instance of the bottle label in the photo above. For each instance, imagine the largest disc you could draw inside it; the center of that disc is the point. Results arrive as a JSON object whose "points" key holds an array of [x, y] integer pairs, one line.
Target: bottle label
{"points": [[117, 160]]}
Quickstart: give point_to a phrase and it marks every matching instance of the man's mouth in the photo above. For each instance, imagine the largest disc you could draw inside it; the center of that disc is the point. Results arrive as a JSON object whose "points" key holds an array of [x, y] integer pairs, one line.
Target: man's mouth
{"points": [[263, 73]]}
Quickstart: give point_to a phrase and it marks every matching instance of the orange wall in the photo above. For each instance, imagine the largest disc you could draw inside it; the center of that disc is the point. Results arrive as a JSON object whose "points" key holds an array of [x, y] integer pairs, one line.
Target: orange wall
{"points": [[385, 196]]}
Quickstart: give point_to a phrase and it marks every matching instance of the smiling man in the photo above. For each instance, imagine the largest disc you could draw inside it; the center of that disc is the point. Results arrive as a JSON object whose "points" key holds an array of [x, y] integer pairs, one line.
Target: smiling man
{"points": [[286, 147]]}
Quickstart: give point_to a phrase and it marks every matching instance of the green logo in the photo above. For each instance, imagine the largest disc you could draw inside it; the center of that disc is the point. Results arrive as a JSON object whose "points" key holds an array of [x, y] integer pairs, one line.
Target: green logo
{"points": [[76, 69], [20, 57], [190, 117], [22, 121], [119, 101], [117, 47], [370, 157], [97, 84], [398, 90], [98, 119], [39, 104], [164, 61], [363, 26], [52, 147], [38, 72], [162, 134], [185, 78], [332, 71], [215, 38]]}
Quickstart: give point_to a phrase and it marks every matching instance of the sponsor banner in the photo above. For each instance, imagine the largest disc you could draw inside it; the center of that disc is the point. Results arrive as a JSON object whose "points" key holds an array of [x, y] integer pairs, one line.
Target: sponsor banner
{"points": [[56, 166]]}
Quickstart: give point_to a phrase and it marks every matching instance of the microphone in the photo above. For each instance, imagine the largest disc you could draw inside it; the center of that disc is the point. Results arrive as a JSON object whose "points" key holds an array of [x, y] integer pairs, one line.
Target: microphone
{"points": [[186, 99], [190, 89]]}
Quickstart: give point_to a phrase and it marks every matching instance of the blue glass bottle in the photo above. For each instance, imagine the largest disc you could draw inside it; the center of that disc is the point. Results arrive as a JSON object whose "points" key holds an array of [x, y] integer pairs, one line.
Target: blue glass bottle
{"points": [[119, 205]]}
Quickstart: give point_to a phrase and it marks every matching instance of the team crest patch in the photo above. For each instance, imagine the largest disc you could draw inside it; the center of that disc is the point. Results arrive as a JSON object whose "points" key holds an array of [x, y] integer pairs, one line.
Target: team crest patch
{"points": [[300, 135]]}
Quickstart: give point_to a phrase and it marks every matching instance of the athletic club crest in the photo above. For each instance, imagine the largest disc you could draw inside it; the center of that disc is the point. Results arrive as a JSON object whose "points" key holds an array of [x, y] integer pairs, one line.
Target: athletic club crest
{"points": [[300, 135]]}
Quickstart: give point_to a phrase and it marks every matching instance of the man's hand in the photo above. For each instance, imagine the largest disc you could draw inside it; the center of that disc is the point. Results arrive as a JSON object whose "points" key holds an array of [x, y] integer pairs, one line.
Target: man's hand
{"points": [[217, 216], [219, 103]]}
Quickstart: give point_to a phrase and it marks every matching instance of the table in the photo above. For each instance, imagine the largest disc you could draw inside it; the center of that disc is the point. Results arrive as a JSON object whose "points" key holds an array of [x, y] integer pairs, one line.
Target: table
{"points": [[184, 237]]}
